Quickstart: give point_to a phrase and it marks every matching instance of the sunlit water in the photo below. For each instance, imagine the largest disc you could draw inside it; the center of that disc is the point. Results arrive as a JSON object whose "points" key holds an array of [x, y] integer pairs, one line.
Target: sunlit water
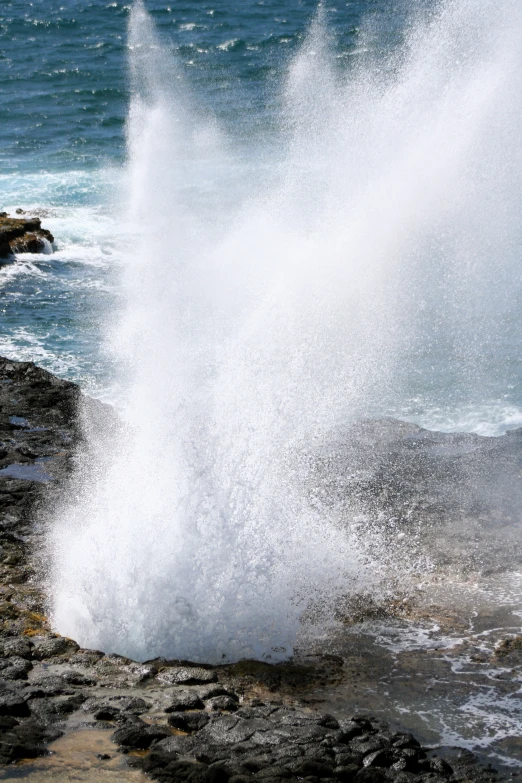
{"points": [[63, 146], [253, 324], [445, 675], [317, 220]]}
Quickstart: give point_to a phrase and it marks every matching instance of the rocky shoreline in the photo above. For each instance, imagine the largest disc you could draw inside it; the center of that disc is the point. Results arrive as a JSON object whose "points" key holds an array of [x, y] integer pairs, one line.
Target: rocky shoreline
{"points": [[23, 235], [174, 720]]}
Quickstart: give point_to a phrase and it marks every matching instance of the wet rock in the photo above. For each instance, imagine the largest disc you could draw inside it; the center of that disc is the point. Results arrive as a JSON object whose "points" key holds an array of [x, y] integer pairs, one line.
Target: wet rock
{"points": [[328, 721], [211, 691], [231, 767], [346, 759], [86, 657], [225, 703], [277, 772], [26, 741], [14, 704], [185, 700], [23, 235], [174, 746], [367, 744], [309, 767], [16, 647], [346, 773], [280, 744], [77, 678], [15, 668], [139, 672], [508, 646], [30, 242], [402, 740], [188, 721], [370, 775], [183, 772], [115, 705], [49, 685], [187, 675], [399, 776], [349, 730], [440, 766], [380, 758], [139, 735], [51, 646], [406, 759], [107, 713], [7, 722], [229, 729], [257, 711], [49, 710], [287, 755]]}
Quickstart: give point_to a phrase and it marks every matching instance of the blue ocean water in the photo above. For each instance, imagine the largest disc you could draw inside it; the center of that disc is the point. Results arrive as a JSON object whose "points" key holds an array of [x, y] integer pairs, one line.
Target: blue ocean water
{"points": [[64, 77], [64, 97]]}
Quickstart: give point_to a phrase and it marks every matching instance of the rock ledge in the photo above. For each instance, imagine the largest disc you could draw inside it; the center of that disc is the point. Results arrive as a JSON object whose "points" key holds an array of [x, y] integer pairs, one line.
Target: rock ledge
{"points": [[23, 235]]}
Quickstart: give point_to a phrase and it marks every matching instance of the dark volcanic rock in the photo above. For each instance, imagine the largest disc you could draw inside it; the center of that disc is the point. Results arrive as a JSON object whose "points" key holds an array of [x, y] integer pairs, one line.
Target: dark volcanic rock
{"points": [[14, 704], [192, 727], [185, 700], [27, 741], [285, 744], [226, 703], [50, 646], [39, 431], [139, 735], [15, 668], [17, 647], [116, 705], [23, 235], [188, 721], [187, 675]]}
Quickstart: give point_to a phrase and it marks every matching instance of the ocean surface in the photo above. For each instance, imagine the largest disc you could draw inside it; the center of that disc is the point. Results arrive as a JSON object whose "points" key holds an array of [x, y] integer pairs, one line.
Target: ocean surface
{"points": [[428, 163], [64, 96]]}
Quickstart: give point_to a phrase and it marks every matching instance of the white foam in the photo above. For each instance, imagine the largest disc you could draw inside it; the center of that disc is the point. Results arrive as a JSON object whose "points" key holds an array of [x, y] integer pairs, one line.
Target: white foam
{"points": [[254, 326]]}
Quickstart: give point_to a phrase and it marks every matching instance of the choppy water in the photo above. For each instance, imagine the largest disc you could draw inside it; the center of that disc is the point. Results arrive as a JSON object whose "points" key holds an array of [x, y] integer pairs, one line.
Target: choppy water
{"points": [[65, 95]]}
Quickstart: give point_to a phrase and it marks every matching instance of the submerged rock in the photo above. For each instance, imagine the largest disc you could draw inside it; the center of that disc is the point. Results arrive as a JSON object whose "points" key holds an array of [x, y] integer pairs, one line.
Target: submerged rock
{"points": [[23, 235]]}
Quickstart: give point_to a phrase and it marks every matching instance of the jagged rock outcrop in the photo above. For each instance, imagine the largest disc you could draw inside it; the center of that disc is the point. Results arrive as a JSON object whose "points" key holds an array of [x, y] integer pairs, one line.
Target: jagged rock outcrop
{"points": [[23, 235]]}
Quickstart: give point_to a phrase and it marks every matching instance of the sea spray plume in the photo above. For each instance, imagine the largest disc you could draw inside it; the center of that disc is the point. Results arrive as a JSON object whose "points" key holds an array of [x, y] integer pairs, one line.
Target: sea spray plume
{"points": [[408, 157], [193, 536]]}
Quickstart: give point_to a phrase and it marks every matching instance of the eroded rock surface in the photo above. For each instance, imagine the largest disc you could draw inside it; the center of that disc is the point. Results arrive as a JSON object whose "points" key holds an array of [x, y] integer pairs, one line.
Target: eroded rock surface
{"points": [[175, 720], [23, 235]]}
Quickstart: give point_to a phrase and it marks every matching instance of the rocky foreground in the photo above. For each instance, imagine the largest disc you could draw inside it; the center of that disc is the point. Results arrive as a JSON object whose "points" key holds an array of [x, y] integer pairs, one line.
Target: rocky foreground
{"points": [[174, 720], [23, 235]]}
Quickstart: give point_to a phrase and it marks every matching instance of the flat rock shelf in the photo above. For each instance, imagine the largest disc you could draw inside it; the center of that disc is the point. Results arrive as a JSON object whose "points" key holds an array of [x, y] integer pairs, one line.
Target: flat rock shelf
{"points": [[175, 720]]}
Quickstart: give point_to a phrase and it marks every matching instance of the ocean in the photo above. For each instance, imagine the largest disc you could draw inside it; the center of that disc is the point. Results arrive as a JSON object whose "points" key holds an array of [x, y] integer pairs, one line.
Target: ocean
{"points": [[64, 83], [271, 219]]}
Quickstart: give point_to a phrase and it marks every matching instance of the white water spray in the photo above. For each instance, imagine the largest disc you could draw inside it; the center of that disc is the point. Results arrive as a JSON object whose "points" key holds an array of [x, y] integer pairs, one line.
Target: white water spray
{"points": [[250, 332]]}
